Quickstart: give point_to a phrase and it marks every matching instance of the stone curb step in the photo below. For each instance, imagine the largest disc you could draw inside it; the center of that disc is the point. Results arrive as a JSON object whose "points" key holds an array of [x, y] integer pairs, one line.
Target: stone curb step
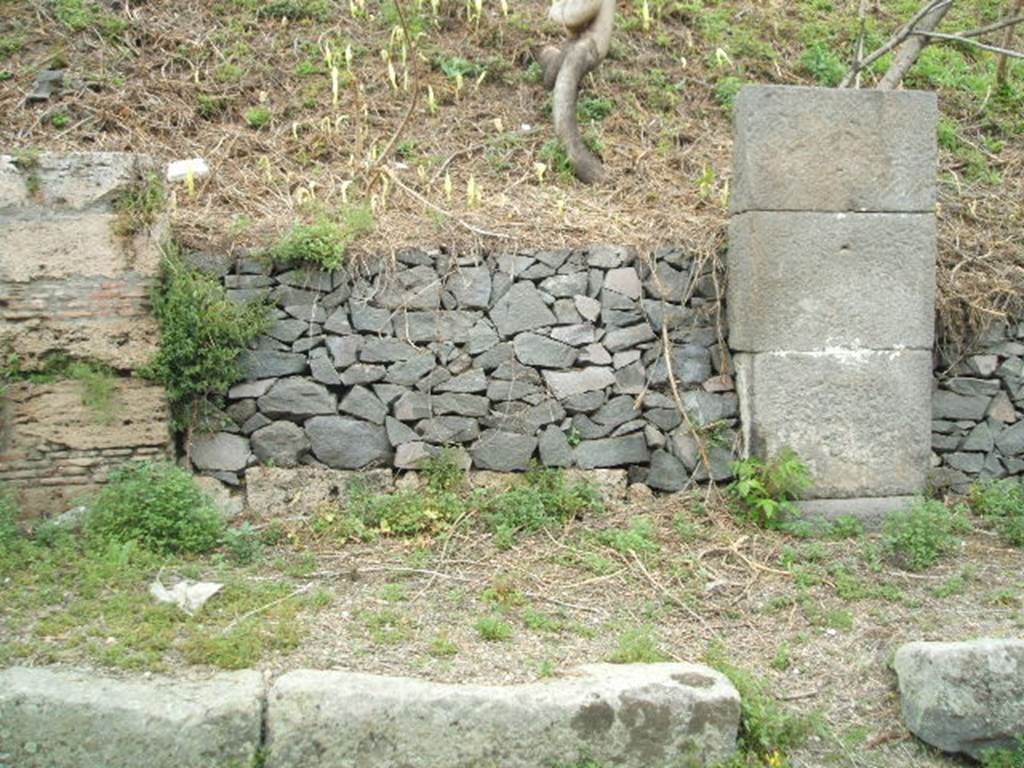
{"points": [[628, 716]]}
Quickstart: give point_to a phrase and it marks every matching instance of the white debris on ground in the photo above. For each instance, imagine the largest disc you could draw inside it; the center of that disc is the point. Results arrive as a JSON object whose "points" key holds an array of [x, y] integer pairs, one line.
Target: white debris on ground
{"points": [[181, 170], [188, 595]]}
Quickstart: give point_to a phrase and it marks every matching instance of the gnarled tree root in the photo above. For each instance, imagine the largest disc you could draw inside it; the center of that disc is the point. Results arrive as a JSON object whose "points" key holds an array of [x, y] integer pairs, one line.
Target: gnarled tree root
{"points": [[590, 21]]}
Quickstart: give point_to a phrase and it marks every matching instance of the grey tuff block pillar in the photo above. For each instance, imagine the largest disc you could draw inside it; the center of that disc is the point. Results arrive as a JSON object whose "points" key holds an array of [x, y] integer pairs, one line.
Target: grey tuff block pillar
{"points": [[831, 286]]}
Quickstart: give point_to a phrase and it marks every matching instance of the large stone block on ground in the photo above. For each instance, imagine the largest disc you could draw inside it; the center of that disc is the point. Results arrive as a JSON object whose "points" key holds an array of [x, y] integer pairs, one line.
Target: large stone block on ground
{"points": [[963, 697], [807, 281], [861, 420], [816, 149], [629, 716], [285, 491], [71, 719]]}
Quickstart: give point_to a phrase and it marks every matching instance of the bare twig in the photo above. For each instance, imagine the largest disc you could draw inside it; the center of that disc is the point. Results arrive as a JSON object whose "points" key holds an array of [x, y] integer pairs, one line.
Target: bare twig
{"points": [[1001, 65], [911, 48], [267, 606], [973, 43], [995, 26], [904, 32], [666, 350]]}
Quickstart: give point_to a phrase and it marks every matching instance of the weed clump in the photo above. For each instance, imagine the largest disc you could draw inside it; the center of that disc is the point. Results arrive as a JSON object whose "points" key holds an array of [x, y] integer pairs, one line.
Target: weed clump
{"points": [[1001, 504], [156, 505], [764, 491], [917, 537], [324, 242], [493, 629], [202, 334], [768, 730], [8, 516], [544, 498], [637, 646], [137, 207]]}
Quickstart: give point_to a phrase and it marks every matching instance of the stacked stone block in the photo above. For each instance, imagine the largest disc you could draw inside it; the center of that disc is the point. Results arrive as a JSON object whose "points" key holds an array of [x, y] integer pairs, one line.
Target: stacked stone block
{"points": [[831, 284], [978, 411], [548, 356], [70, 285]]}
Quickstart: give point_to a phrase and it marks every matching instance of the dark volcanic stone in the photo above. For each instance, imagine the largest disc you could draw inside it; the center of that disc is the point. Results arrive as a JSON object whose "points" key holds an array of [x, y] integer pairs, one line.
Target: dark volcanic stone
{"points": [[344, 443], [503, 451], [282, 443]]}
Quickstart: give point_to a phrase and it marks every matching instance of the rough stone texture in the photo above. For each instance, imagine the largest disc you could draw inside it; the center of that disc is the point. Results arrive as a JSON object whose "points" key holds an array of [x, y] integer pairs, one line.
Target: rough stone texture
{"points": [[805, 281], [57, 718], [831, 284], [343, 443], [629, 716], [54, 449], [297, 398], [815, 149], [521, 309], [978, 427], [504, 451], [220, 451], [860, 420], [612, 452], [68, 283], [280, 443], [963, 697]]}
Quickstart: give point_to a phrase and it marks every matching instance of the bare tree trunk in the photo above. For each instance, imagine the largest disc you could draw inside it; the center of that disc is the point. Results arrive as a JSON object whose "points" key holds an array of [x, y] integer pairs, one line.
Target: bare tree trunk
{"points": [[911, 48], [1001, 67]]}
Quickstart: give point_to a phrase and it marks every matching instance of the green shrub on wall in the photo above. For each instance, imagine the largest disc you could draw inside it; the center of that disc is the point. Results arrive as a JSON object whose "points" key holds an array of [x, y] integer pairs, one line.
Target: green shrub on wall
{"points": [[202, 333]]}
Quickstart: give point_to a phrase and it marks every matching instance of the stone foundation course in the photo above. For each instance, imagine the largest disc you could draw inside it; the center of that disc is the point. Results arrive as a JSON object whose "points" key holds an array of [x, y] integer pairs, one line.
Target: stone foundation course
{"points": [[629, 716], [556, 357]]}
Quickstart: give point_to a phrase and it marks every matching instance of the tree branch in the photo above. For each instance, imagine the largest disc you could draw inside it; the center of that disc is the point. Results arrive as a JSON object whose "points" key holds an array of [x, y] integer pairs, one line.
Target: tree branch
{"points": [[904, 32], [974, 43], [911, 48]]}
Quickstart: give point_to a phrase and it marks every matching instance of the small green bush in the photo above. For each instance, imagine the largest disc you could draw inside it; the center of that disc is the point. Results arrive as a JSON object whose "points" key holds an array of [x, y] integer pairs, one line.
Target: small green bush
{"points": [[242, 543], [824, 64], [1001, 503], [202, 333], [917, 537], [324, 242], [158, 506], [764, 491], [257, 117], [544, 498]]}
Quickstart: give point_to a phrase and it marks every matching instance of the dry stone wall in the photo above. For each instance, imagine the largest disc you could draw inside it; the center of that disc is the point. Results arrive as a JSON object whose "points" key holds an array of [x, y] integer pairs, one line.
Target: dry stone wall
{"points": [[548, 356], [978, 410]]}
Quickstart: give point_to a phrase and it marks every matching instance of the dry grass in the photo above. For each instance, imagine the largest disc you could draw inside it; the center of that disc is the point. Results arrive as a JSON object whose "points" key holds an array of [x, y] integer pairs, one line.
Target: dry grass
{"points": [[180, 79]]}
